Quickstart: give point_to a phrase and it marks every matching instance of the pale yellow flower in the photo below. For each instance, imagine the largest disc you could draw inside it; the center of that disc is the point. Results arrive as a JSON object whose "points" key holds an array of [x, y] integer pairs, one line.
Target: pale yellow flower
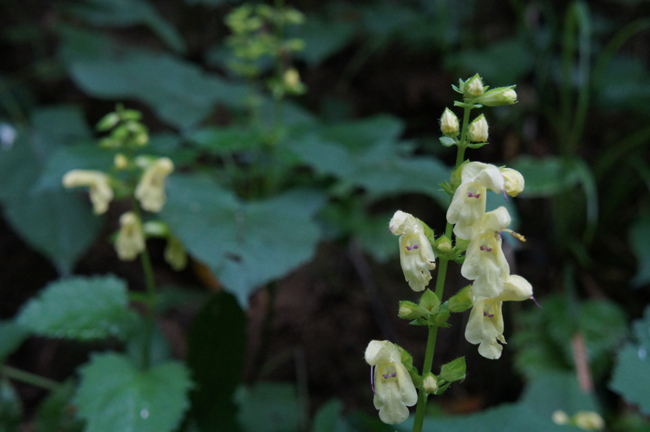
{"points": [[478, 129], [130, 240], [513, 181], [392, 384], [449, 122], [151, 188], [101, 193], [415, 251], [589, 420]]}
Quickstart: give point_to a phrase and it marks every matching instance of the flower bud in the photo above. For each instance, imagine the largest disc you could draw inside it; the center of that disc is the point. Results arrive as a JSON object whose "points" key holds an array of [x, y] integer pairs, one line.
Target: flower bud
{"points": [[444, 244], [589, 420], [478, 129], [291, 77], [560, 417], [430, 384], [449, 123], [497, 97], [513, 181], [473, 87], [411, 311], [130, 240], [120, 161], [462, 300]]}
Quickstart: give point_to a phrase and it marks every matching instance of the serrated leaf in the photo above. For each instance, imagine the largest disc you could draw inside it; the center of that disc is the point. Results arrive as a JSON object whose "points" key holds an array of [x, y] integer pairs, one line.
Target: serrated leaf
{"points": [[245, 244], [454, 370], [219, 326], [180, 92], [56, 413], [447, 141], [638, 235], [12, 335], [116, 396], [271, 407], [80, 308]]}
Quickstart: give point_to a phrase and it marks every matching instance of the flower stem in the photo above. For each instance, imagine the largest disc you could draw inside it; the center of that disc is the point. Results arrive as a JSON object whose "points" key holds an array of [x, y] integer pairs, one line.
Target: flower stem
{"points": [[150, 305], [29, 378]]}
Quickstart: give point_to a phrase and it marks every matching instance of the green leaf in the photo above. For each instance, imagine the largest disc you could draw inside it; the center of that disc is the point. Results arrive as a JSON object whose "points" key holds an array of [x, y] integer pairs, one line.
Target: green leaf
{"points": [[216, 355], [224, 140], [558, 391], [11, 410], [80, 308], [268, 407], [125, 13], [638, 236], [454, 370], [56, 413], [12, 335], [180, 92], [245, 244], [323, 39], [116, 396], [360, 135], [544, 177], [328, 418], [380, 170]]}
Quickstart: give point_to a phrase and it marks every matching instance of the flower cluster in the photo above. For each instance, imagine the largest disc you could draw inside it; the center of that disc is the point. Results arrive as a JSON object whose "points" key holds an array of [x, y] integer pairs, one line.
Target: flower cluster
{"points": [[485, 263], [140, 177]]}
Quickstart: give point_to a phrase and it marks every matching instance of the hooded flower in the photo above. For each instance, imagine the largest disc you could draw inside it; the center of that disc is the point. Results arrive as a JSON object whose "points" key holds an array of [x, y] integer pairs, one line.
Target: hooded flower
{"points": [[392, 384], [468, 203], [101, 193], [151, 189], [130, 239], [485, 263], [513, 181], [485, 324], [415, 252]]}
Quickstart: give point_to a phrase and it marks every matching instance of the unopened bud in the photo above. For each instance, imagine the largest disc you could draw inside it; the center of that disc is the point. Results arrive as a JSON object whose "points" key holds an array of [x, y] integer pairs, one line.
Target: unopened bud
{"points": [[478, 129], [444, 244], [589, 420], [291, 77], [411, 311], [120, 161], [497, 97], [474, 87], [560, 417], [449, 123], [462, 300], [430, 384], [513, 181]]}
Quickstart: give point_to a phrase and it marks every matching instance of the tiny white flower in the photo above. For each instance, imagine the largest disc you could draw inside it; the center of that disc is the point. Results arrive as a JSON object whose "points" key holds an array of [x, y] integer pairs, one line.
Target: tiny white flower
{"points": [[415, 252], [468, 203], [130, 240], [151, 188], [101, 193], [392, 384], [485, 263]]}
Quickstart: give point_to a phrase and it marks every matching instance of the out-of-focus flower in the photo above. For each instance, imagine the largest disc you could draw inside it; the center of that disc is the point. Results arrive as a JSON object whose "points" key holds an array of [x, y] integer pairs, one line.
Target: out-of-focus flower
{"points": [[513, 181], [101, 193], [392, 384], [151, 188], [415, 252], [130, 240]]}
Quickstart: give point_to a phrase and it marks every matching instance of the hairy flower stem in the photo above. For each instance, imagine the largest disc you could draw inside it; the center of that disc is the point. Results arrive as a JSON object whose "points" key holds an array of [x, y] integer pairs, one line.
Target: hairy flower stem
{"points": [[440, 287]]}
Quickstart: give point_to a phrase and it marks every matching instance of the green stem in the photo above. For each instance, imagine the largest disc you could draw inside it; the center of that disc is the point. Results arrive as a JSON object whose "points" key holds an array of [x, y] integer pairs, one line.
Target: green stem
{"points": [[29, 378], [150, 305]]}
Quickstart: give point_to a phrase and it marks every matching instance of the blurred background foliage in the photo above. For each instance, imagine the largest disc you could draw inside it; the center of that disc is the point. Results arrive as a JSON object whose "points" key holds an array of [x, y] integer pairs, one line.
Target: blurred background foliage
{"points": [[282, 203]]}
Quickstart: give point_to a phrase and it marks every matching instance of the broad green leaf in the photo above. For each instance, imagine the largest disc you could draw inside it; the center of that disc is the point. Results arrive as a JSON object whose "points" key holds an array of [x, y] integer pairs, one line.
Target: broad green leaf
{"points": [[558, 391], [180, 92], [11, 410], [454, 370], [323, 39], [380, 170], [56, 412], [544, 177], [271, 407], [246, 244], [216, 355], [638, 236], [50, 219], [116, 396], [623, 85], [80, 308], [12, 335], [631, 378], [124, 13], [360, 135], [328, 418], [224, 140], [504, 418]]}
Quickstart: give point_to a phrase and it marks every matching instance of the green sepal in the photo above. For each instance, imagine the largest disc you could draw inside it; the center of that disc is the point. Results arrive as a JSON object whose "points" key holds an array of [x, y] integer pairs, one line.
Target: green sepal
{"points": [[466, 105], [429, 300], [446, 186], [477, 145], [428, 232], [459, 259], [442, 389], [407, 361], [462, 300], [454, 370], [409, 310], [419, 322], [448, 141], [461, 244], [107, 122], [440, 316]]}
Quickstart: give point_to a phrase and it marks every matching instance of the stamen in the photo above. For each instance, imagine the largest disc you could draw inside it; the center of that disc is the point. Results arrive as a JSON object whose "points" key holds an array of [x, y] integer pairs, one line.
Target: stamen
{"points": [[485, 314], [477, 196], [517, 236], [372, 378], [489, 249], [471, 195], [490, 315], [393, 375], [505, 195], [533, 299], [415, 247], [482, 248]]}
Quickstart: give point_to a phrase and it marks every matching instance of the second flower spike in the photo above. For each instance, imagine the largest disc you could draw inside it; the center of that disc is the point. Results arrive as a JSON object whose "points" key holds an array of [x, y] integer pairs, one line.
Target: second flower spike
{"points": [[415, 252]]}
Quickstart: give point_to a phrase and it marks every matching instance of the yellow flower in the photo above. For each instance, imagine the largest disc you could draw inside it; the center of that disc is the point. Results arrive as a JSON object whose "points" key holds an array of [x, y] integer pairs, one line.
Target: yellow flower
{"points": [[415, 252], [589, 420], [392, 384], [151, 188], [101, 193], [478, 129], [513, 181], [130, 239]]}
